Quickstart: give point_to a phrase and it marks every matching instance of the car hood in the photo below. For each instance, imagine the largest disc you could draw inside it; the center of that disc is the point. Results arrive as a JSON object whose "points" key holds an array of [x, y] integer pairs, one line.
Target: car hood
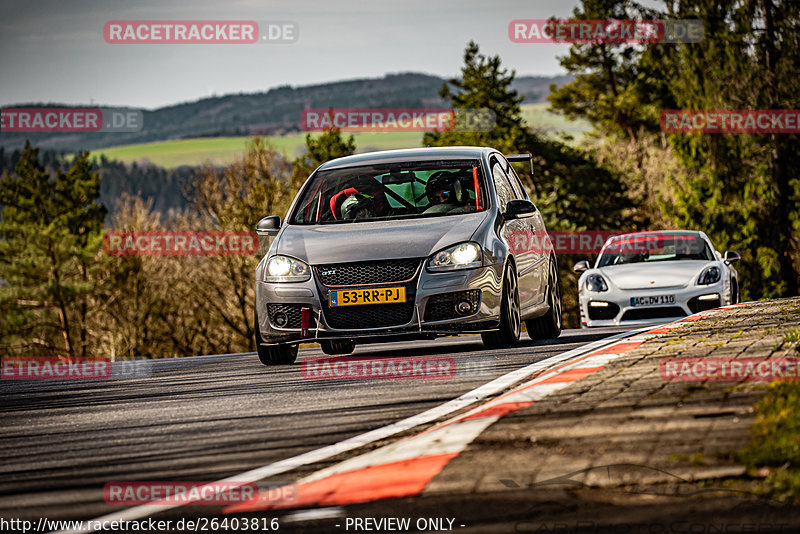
{"points": [[668, 274], [373, 240]]}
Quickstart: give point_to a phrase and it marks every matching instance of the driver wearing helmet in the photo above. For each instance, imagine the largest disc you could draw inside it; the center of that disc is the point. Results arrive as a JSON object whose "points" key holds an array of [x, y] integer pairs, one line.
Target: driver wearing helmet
{"points": [[358, 206], [363, 185], [445, 193]]}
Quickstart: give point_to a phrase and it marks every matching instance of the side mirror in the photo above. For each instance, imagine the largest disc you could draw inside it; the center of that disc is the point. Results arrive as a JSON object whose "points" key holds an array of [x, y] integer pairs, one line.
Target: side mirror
{"points": [[518, 208], [731, 256], [269, 226], [581, 266]]}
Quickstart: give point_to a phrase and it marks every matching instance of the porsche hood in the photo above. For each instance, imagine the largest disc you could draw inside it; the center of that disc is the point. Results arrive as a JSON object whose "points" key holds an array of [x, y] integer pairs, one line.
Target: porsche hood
{"points": [[668, 274]]}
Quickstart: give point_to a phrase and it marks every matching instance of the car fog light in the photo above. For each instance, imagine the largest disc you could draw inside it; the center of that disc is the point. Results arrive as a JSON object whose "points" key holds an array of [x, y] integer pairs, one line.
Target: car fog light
{"points": [[708, 297], [463, 307], [281, 319], [598, 304]]}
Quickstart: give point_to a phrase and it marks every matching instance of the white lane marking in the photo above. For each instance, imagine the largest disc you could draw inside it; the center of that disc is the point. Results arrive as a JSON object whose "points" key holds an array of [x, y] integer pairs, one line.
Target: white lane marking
{"points": [[598, 360], [318, 455], [314, 514], [455, 434], [443, 440]]}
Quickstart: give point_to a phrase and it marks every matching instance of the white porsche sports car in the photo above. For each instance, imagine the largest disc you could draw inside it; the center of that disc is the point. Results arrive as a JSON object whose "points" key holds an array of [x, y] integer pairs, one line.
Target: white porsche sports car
{"points": [[652, 277]]}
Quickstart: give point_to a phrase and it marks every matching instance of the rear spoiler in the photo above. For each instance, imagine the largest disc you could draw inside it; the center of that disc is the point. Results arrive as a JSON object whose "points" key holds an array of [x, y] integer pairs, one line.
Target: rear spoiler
{"points": [[519, 158]]}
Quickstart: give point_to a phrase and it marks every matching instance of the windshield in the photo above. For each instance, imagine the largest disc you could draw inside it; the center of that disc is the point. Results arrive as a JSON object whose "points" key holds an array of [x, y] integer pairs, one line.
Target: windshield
{"points": [[649, 248], [386, 192]]}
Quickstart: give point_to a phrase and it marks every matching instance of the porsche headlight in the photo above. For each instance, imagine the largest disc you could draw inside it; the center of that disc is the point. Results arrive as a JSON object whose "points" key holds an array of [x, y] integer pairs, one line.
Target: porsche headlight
{"points": [[595, 282], [286, 269], [461, 256], [710, 275]]}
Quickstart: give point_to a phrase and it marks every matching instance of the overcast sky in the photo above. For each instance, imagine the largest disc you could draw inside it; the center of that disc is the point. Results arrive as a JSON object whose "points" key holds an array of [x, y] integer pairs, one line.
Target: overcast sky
{"points": [[54, 51]]}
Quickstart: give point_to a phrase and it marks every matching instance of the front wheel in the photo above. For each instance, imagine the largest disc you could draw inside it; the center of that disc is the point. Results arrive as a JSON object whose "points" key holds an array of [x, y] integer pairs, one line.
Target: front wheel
{"points": [[548, 326], [510, 322], [274, 354]]}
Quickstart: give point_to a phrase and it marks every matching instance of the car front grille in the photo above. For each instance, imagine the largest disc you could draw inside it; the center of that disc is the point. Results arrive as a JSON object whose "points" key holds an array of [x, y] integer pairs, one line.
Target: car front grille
{"points": [[369, 316], [601, 313], [653, 313], [367, 272], [442, 307]]}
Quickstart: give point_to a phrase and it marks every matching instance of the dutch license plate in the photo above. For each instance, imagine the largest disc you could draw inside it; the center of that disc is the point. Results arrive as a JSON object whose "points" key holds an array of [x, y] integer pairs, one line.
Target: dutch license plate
{"points": [[653, 300], [356, 297]]}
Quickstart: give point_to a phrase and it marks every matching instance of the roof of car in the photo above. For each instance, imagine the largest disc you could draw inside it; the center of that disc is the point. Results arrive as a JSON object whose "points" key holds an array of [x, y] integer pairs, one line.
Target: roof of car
{"points": [[646, 233], [409, 154], [695, 233]]}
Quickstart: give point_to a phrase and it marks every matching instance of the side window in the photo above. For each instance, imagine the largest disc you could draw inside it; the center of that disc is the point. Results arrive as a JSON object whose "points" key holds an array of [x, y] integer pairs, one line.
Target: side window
{"points": [[505, 192], [517, 183]]}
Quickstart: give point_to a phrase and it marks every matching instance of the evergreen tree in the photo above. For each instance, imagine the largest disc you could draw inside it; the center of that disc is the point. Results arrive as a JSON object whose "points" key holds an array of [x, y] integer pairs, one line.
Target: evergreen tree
{"points": [[483, 85], [49, 239], [570, 188], [740, 188], [608, 77], [743, 187]]}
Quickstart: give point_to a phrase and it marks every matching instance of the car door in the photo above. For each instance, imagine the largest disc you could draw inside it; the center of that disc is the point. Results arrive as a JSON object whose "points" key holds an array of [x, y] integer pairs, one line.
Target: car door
{"points": [[537, 252], [515, 234]]}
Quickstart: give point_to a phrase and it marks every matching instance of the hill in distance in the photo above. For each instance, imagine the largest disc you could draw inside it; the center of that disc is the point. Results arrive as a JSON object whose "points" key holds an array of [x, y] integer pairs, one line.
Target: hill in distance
{"points": [[274, 112]]}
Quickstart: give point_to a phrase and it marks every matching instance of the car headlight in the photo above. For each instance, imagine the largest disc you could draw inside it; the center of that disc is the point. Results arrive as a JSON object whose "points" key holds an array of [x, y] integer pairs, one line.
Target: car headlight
{"points": [[461, 256], [286, 269], [710, 275], [595, 282]]}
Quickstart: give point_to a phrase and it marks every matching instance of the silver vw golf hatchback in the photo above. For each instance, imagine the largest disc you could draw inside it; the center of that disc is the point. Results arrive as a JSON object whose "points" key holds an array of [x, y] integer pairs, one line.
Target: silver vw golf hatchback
{"points": [[405, 244]]}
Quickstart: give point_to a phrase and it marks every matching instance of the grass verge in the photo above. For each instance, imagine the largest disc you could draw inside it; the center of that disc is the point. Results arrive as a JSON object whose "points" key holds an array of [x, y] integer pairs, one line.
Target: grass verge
{"points": [[774, 448]]}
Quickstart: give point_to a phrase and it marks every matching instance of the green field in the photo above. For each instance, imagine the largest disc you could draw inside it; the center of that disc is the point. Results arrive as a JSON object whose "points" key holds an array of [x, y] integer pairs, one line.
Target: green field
{"points": [[224, 150], [542, 120]]}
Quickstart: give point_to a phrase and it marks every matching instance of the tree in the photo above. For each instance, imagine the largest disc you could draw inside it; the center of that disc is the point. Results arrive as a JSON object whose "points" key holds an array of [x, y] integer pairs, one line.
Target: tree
{"points": [[608, 77], [483, 85], [177, 305], [740, 188], [234, 199], [570, 188], [566, 180], [49, 243]]}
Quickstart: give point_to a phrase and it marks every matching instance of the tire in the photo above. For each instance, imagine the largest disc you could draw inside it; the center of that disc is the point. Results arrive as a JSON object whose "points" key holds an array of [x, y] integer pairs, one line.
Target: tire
{"points": [[510, 324], [548, 326], [334, 347], [734, 291], [283, 354]]}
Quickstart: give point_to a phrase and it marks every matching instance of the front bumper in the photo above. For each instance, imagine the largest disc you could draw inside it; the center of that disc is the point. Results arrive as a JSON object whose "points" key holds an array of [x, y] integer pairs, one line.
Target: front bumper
{"points": [[426, 313], [614, 307]]}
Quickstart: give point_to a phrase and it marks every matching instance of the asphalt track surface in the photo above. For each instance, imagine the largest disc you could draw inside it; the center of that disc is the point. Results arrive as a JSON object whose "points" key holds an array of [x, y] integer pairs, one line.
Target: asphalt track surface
{"points": [[206, 418]]}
